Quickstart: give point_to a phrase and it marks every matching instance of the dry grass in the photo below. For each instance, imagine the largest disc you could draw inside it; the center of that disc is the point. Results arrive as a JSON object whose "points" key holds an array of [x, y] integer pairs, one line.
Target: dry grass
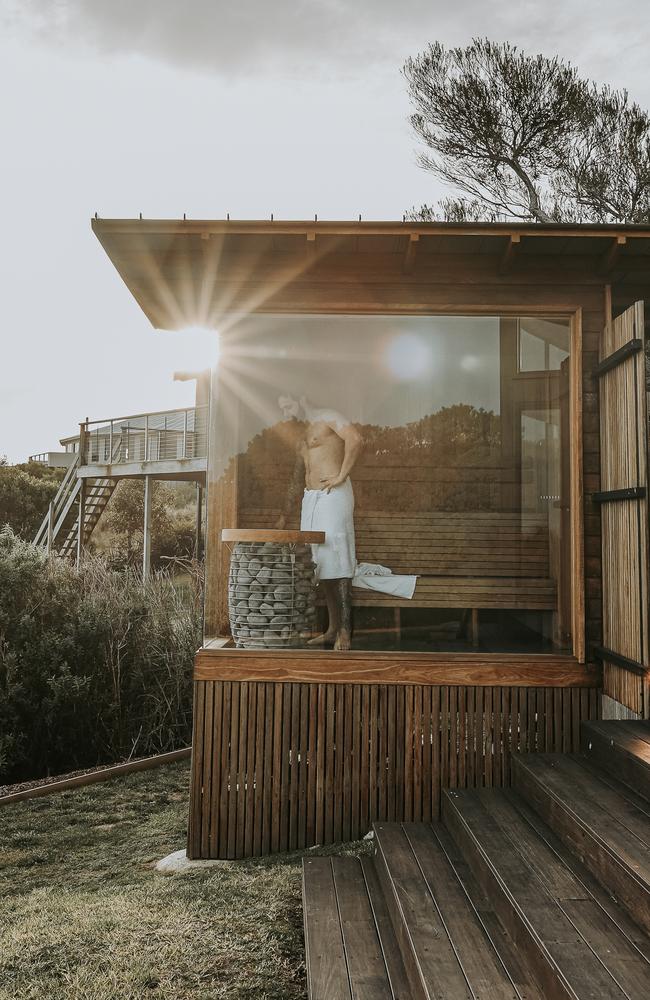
{"points": [[83, 915]]}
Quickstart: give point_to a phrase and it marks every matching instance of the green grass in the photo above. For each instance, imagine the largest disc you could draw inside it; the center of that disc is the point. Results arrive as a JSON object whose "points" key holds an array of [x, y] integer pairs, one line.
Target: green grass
{"points": [[84, 916]]}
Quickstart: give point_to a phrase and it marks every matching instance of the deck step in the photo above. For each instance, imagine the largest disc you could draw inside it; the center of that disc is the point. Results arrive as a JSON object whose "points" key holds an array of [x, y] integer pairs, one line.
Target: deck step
{"points": [[446, 950], [349, 943], [574, 946], [607, 829], [622, 748]]}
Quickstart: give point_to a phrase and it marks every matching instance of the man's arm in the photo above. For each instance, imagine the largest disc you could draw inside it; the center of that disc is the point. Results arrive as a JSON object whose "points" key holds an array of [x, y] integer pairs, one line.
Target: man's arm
{"points": [[295, 488], [353, 446]]}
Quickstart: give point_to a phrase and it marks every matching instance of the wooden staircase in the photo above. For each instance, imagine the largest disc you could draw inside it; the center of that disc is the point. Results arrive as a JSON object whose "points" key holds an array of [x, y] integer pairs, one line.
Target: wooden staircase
{"points": [[539, 891]]}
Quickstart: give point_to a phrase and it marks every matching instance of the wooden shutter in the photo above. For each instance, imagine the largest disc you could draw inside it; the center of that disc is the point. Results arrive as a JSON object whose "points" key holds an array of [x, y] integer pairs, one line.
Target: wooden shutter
{"points": [[624, 510]]}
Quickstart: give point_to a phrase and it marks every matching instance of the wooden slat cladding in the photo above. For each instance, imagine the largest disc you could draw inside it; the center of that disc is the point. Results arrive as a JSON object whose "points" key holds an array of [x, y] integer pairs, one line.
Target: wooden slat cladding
{"points": [[284, 766], [629, 689], [624, 522]]}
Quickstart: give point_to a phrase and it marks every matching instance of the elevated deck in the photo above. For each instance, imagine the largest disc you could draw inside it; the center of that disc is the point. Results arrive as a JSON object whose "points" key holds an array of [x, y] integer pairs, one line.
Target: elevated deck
{"points": [[542, 892], [168, 444]]}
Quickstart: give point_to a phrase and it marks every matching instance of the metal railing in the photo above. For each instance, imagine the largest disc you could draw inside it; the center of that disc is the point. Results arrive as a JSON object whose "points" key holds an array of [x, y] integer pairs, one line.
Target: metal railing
{"points": [[167, 435]]}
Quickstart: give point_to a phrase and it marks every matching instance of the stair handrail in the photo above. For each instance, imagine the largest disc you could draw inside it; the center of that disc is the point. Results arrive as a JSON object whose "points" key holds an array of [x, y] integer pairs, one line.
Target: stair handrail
{"points": [[59, 500]]}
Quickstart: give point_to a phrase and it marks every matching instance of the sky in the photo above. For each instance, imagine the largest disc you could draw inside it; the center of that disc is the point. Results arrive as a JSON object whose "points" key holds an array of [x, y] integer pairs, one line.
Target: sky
{"points": [[294, 107]]}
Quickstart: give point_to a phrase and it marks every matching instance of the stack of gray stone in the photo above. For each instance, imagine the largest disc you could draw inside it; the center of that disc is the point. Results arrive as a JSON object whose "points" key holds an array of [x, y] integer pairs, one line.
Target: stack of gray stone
{"points": [[271, 594]]}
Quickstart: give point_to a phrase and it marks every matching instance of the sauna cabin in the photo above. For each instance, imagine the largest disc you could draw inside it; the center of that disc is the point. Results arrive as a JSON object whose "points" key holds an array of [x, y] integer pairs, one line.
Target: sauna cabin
{"points": [[496, 377]]}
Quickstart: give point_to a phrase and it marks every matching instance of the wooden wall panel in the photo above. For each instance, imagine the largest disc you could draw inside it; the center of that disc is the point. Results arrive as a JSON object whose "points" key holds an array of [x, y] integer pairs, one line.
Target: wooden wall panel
{"points": [[284, 766], [624, 522]]}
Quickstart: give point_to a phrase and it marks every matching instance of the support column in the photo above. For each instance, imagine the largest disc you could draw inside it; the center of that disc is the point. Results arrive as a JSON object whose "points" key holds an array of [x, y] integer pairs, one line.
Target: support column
{"points": [[146, 530], [82, 518], [50, 527], [198, 542]]}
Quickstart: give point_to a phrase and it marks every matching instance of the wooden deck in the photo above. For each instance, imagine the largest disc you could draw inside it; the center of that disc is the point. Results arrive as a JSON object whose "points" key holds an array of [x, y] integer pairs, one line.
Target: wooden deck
{"points": [[538, 892]]}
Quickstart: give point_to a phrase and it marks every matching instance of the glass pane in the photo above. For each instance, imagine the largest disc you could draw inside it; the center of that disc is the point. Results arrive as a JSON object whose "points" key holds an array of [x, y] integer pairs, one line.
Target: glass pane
{"points": [[543, 343], [433, 459]]}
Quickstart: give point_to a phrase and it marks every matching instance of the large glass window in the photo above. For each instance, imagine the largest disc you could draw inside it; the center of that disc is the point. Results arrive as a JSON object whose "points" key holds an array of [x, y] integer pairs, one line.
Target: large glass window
{"points": [[433, 452]]}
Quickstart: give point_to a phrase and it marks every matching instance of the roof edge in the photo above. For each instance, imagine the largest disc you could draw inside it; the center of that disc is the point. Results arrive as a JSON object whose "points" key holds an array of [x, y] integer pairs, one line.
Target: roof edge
{"points": [[106, 227]]}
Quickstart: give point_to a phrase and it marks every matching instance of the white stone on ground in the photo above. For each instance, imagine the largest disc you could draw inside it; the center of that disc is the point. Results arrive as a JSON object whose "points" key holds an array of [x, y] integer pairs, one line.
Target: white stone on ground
{"points": [[178, 862]]}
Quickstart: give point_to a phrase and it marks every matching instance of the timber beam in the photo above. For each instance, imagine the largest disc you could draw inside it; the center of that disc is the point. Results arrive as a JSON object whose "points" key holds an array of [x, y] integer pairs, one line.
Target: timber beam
{"points": [[408, 264], [509, 253], [612, 255]]}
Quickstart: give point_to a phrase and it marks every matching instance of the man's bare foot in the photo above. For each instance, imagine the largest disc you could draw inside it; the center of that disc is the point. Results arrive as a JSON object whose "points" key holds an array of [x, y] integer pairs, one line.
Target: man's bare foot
{"points": [[326, 639], [343, 641]]}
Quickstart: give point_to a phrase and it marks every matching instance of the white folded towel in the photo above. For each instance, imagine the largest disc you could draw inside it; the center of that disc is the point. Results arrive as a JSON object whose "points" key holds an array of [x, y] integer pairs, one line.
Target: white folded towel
{"points": [[372, 569], [372, 576]]}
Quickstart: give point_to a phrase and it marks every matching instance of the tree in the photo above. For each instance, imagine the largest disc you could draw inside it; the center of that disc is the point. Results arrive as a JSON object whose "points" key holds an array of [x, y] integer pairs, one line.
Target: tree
{"points": [[24, 498], [524, 137], [120, 529], [124, 515]]}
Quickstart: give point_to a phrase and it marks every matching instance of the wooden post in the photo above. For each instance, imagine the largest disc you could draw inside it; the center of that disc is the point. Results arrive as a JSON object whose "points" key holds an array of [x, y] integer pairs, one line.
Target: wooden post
{"points": [[50, 526], [82, 518], [146, 547], [199, 518], [83, 430]]}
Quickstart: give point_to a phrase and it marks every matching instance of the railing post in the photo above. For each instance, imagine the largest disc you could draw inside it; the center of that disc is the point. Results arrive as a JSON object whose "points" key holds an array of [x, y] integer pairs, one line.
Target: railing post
{"points": [[199, 519], [146, 530], [50, 526], [146, 438], [185, 435], [83, 431], [110, 443], [82, 518]]}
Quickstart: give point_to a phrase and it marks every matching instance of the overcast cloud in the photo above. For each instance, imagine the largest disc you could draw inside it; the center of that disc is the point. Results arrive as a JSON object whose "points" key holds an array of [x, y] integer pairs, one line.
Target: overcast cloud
{"points": [[165, 107], [291, 36]]}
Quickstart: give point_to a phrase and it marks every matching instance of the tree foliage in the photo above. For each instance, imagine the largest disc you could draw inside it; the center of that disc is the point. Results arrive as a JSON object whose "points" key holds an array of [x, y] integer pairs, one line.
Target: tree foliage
{"points": [[25, 494], [525, 137], [173, 524], [94, 664]]}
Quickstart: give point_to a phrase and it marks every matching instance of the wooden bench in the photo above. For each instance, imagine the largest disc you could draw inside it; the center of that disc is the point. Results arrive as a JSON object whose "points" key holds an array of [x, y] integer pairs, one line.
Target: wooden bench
{"points": [[472, 561]]}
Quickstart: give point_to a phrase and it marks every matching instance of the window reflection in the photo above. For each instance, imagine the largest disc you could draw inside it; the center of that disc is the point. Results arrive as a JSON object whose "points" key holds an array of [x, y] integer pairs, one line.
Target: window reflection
{"points": [[434, 454]]}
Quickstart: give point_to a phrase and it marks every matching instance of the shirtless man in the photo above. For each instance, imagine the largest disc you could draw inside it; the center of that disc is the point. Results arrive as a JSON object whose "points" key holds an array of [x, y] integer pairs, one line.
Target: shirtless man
{"points": [[325, 458]]}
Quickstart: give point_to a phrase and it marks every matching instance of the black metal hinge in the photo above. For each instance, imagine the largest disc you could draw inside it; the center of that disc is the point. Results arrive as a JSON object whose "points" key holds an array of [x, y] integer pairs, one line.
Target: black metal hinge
{"points": [[630, 493], [602, 653], [617, 358]]}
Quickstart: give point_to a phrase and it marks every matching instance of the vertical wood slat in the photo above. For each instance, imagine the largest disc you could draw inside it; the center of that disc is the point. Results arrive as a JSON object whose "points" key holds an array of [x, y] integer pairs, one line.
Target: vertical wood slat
{"points": [[280, 766], [624, 523]]}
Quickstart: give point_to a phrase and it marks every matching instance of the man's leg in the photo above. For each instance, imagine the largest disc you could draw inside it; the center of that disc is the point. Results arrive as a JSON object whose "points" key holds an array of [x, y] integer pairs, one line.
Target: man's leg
{"points": [[343, 592], [333, 613]]}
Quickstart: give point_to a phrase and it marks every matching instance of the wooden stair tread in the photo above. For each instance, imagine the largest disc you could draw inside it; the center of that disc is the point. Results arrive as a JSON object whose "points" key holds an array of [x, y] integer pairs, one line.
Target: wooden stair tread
{"points": [[617, 915], [621, 749], [345, 955], [599, 824], [564, 963], [609, 933], [447, 953], [603, 814], [481, 965], [482, 905], [327, 975], [390, 948]]}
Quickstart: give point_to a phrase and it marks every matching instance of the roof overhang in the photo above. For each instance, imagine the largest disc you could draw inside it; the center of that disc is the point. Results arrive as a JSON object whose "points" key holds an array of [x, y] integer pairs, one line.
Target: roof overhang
{"points": [[191, 272]]}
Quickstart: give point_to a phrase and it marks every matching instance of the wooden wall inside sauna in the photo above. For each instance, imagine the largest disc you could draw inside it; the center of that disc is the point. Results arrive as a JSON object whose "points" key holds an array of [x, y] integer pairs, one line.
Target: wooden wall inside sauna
{"points": [[349, 282]]}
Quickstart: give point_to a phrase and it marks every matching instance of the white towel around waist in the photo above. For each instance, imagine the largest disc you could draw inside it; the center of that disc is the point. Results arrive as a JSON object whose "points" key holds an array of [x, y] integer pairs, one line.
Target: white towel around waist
{"points": [[332, 513]]}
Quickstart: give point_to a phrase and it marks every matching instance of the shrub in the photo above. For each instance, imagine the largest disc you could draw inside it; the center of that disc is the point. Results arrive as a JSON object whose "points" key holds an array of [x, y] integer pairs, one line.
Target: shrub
{"points": [[95, 666], [25, 495]]}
